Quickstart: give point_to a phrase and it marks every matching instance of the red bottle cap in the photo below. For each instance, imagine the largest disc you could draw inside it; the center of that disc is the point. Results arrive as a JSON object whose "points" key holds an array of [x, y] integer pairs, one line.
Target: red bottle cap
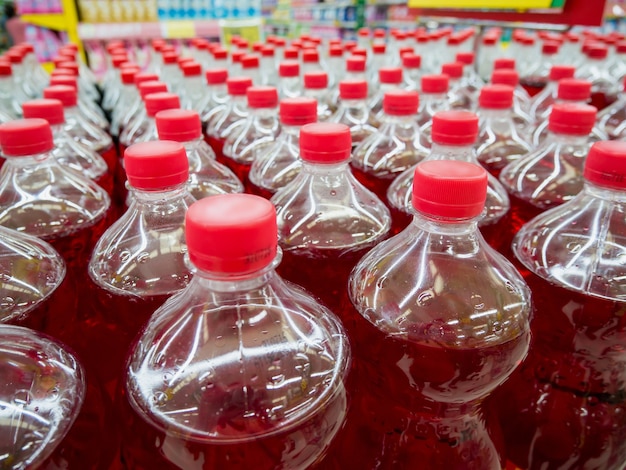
{"points": [[170, 57], [310, 56], [128, 75], [453, 70], [364, 33], [156, 102], [400, 102], [231, 233], [572, 118], [179, 125], [5, 69], [466, 58], [156, 165], [236, 56], [262, 97], [559, 72], [289, 68], [298, 111], [605, 164], [65, 94], [503, 63], [191, 69], [143, 77], [360, 52], [353, 89], [550, 48], [220, 54], [67, 80], [379, 48], [183, 60], [315, 80], [620, 47], [291, 53], [449, 189], [147, 88], [243, 44], [28, 47], [257, 46], [237, 86], [335, 51], [267, 51], [490, 40], [50, 110], [216, 76], [390, 75], [70, 66], [112, 45], [280, 42], [572, 89], [349, 45], [454, 128], [325, 142], [118, 60], [59, 59], [406, 50], [23, 137], [496, 97], [380, 33], [250, 61], [435, 83], [598, 51], [355, 64], [508, 77], [14, 56], [411, 61]]}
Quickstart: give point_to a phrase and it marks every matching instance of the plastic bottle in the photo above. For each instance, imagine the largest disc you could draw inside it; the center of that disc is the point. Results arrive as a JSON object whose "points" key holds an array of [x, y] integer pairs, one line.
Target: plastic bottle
{"points": [[216, 95], [521, 99], [269, 74], [259, 130], [470, 76], [389, 78], [316, 87], [612, 119], [396, 146], [207, 177], [145, 130], [139, 261], [289, 85], [537, 75], [461, 95], [23, 87], [9, 103], [440, 320], [114, 84], [552, 174], [412, 71], [604, 89], [336, 66], [326, 219], [279, 163], [36, 73], [250, 67], [542, 101], [499, 141], [433, 98], [249, 369], [454, 134], [136, 104], [565, 405], [354, 112], [192, 92], [489, 51]]}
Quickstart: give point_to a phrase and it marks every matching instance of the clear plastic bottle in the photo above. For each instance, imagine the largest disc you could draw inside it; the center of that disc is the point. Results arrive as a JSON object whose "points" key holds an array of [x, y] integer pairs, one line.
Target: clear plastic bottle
{"points": [[412, 67], [499, 141], [565, 405], [193, 91], [310, 61], [433, 98], [461, 96], [335, 66], [612, 119], [289, 85], [114, 84], [552, 174], [617, 69], [258, 131], [439, 321], [128, 97], [604, 88], [139, 261], [207, 177], [542, 101], [279, 163], [251, 67], [249, 369], [84, 83], [10, 104], [216, 94], [269, 75], [521, 99], [354, 112], [36, 73], [454, 134], [396, 146], [316, 87], [327, 220], [537, 75], [389, 78], [488, 52], [146, 130], [470, 76]]}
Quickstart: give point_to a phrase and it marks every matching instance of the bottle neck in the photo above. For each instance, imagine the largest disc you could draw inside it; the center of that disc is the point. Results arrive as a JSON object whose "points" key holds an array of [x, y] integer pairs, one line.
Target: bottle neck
{"points": [[354, 104], [263, 113], [496, 114], [326, 170], [451, 152], [291, 131], [157, 197], [566, 139], [30, 160], [403, 121], [449, 236], [608, 194]]}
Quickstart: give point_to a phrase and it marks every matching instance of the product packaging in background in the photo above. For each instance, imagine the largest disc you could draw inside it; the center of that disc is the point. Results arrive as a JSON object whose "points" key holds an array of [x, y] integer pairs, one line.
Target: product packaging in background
{"points": [[45, 41], [39, 6]]}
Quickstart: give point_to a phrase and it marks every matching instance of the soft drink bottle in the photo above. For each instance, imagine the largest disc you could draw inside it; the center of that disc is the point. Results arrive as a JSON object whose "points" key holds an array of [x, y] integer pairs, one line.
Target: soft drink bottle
{"points": [[356, 68], [440, 320], [269, 75], [146, 130], [389, 78], [412, 71], [279, 163], [135, 105], [216, 96], [40, 197], [128, 96], [259, 130], [84, 84], [249, 369], [604, 89], [552, 174], [470, 76], [521, 99], [316, 87], [207, 177], [9, 102], [114, 83], [396, 146], [192, 92], [23, 87], [612, 119], [139, 261], [251, 67], [499, 141], [565, 405], [36, 73], [618, 67], [327, 220], [310, 61], [542, 101], [537, 75], [488, 52], [354, 112], [232, 117], [169, 70], [433, 98], [454, 135], [289, 85], [336, 66], [462, 95]]}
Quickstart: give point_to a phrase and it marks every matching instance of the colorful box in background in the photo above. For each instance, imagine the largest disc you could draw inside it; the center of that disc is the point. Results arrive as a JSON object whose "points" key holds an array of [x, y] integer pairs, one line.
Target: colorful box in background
{"points": [[38, 6], [208, 9], [45, 41]]}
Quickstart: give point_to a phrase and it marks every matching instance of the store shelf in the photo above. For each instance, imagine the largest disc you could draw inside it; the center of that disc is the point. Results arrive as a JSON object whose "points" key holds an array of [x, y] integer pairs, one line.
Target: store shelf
{"points": [[173, 29], [56, 21]]}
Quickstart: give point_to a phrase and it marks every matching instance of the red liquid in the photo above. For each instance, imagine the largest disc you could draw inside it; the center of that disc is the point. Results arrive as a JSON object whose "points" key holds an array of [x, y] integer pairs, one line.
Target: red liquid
{"points": [[601, 100], [398, 418], [144, 447], [533, 85], [106, 182], [253, 189], [519, 213], [110, 157], [218, 146], [399, 220], [378, 186], [497, 234], [241, 170], [566, 406]]}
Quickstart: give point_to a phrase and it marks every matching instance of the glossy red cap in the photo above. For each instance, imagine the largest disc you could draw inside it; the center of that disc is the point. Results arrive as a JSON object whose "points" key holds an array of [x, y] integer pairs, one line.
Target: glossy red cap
{"points": [[400, 102], [435, 83], [291, 53], [236, 56], [466, 58], [73, 66], [572, 119], [355, 64], [143, 77], [454, 128], [220, 53], [550, 48], [23, 137], [147, 88], [268, 51], [315, 80], [250, 61], [170, 57], [559, 72], [191, 69], [504, 63], [67, 80], [359, 51], [50, 110], [5, 69], [15, 57], [490, 40], [280, 42], [453, 70], [379, 48], [61, 58], [335, 51], [257, 46], [325, 142], [406, 50], [310, 56], [156, 165], [598, 52], [65, 94], [572, 89], [289, 68], [496, 97], [262, 97], [118, 60], [390, 75], [156, 102], [298, 111], [449, 189], [216, 76], [380, 33], [237, 86], [234, 234], [353, 89], [620, 47], [179, 125], [128, 75], [505, 77], [605, 164], [411, 61], [364, 32]]}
